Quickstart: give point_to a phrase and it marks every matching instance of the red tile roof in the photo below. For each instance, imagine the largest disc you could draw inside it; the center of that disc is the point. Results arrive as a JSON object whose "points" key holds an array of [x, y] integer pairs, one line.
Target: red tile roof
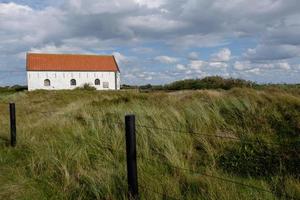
{"points": [[70, 62]]}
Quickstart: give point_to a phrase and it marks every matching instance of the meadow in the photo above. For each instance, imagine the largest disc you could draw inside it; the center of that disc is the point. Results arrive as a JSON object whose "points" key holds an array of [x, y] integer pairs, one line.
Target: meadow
{"points": [[71, 144]]}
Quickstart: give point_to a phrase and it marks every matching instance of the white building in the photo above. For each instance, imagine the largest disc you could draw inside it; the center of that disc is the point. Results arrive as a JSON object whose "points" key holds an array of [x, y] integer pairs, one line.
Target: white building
{"points": [[65, 71]]}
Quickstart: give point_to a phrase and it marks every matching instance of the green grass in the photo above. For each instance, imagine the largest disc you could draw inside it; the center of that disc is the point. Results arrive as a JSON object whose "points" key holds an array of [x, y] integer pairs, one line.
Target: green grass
{"points": [[71, 144]]}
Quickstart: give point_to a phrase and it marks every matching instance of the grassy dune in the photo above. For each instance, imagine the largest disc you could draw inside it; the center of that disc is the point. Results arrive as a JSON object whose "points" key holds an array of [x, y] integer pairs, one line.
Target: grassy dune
{"points": [[71, 144]]}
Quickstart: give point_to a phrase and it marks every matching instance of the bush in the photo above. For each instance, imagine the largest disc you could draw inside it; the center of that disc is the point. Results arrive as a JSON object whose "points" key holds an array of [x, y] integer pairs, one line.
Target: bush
{"points": [[213, 82], [19, 88], [87, 87]]}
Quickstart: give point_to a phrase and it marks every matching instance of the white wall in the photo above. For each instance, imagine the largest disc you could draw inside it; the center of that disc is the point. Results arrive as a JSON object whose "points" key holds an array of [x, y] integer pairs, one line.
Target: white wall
{"points": [[61, 80]]}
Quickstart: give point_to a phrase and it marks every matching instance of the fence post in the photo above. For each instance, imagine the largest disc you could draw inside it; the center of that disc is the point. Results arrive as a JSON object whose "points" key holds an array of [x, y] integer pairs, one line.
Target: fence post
{"points": [[131, 157], [13, 129]]}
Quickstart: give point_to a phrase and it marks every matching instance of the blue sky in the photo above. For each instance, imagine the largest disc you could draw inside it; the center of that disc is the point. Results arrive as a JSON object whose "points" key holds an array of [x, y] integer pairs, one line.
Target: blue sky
{"points": [[158, 41]]}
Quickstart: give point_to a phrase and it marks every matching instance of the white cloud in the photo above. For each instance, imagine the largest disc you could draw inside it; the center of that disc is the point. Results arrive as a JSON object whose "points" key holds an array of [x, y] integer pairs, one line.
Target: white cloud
{"points": [[153, 23], [197, 40], [181, 67], [197, 64], [51, 48], [218, 65], [151, 3], [256, 71], [258, 68], [7, 8], [142, 50], [272, 52], [178, 26], [224, 55], [86, 7], [284, 66], [22, 27], [189, 72], [241, 65], [120, 57], [73, 45], [166, 59], [193, 56]]}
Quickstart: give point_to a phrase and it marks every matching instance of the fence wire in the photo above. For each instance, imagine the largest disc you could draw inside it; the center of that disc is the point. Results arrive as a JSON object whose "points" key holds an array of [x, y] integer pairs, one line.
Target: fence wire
{"points": [[159, 193], [216, 177], [191, 171], [215, 136]]}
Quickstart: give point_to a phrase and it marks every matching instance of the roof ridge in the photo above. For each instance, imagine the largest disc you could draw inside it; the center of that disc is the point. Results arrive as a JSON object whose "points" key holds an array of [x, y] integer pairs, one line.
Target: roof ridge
{"points": [[69, 54]]}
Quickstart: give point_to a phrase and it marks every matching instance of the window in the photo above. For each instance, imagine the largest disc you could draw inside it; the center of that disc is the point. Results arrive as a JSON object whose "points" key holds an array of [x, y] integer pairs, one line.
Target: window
{"points": [[97, 82], [105, 85], [73, 82], [47, 82]]}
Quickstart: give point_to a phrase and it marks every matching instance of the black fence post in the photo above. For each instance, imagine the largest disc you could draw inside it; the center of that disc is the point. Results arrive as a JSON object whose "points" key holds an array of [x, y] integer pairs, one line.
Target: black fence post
{"points": [[131, 157], [13, 129]]}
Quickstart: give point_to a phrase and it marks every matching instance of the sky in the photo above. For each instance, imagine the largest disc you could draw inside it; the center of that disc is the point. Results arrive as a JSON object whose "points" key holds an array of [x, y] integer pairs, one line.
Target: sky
{"points": [[158, 41]]}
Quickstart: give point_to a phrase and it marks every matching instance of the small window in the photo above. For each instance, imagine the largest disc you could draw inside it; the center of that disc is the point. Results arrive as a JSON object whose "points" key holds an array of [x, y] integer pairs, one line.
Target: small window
{"points": [[73, 82], [97, 82], [105, 85], [47, 83]]}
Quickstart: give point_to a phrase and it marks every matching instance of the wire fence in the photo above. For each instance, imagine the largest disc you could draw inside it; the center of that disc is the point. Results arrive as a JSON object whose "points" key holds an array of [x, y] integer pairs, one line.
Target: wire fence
{"points": [[212, 176], [164, 195], [206, 175], [243, 140], [150, 161]]}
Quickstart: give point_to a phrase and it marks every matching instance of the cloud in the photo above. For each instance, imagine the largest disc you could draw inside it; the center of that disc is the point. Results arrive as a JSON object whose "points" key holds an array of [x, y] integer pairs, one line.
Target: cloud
{"points": [[151, 3], [279, 42], [52, 48], [142, 50], [197, 64], [197, 40], [161, 27], [224, 55], [272, 52], [22, 27], [93, 7], [166, 59], [256, 71], [153, 23], [122, 59], [248, 66], [181, 67], [285, 66], [193, 56], [218, 65], [181, 23]]}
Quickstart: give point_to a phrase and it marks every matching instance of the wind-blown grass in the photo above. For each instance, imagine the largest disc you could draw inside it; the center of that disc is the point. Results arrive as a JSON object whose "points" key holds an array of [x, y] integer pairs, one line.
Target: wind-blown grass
{"points": [[71, 144]]}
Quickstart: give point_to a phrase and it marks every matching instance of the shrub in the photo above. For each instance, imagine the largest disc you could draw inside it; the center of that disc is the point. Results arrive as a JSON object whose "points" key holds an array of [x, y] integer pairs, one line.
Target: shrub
{"points": [[87, 87], [213, 82]]}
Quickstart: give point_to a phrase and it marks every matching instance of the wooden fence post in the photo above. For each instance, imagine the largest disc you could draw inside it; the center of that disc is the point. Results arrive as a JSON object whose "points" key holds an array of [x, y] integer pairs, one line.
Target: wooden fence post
{"points": [[13, 129], [131, 157]]}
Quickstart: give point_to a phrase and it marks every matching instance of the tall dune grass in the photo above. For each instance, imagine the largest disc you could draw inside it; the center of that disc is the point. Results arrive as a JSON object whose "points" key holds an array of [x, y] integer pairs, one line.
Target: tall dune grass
{"points": [[71, 144]]}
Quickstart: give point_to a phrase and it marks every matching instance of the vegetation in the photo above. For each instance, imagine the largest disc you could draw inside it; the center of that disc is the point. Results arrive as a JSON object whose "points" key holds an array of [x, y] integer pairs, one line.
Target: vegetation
{"points": [[71, 144], [212, 82], [10, 90], [87, 87]]}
